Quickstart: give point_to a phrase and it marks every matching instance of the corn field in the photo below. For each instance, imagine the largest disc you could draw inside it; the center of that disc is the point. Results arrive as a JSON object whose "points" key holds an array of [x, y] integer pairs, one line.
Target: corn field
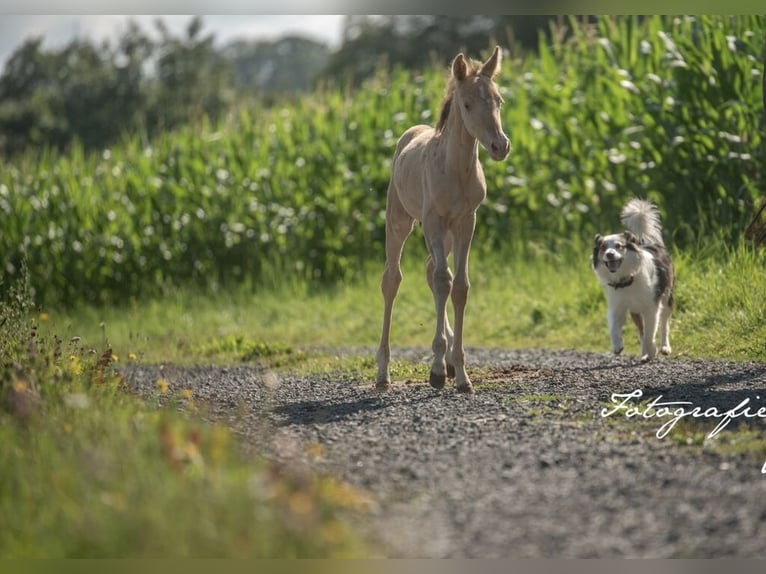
{"points": [[665, 108]]}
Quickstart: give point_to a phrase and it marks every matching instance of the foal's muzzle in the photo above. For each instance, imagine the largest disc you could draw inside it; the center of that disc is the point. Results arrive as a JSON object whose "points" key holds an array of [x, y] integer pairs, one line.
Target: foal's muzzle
{"points": [[499, 148]]}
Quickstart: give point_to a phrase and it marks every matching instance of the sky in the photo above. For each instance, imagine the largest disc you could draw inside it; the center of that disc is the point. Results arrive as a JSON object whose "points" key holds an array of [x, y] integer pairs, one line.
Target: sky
{"points": [[57, 30]]}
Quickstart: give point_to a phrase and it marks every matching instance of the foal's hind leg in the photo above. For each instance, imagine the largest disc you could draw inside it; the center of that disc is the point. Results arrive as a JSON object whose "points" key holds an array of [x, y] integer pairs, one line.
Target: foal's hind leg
{"points": [[398, 228]]}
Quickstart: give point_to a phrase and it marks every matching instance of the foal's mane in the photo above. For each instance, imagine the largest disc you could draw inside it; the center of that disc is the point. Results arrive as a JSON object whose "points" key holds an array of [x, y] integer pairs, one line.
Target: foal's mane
{"points": [[474, 68]]}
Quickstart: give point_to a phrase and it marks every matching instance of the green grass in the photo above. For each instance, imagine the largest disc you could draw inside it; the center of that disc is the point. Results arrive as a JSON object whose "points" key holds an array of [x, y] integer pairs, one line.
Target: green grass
{"points": [[105, 477], [88, 470], [548, 301], [538, 405], [720, 299]]}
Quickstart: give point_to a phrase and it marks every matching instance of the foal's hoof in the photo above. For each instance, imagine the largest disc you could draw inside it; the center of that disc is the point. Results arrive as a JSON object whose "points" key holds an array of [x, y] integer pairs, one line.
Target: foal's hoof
{"points": [[464, 388], [382, 385], [437, 381], [450, 371]]}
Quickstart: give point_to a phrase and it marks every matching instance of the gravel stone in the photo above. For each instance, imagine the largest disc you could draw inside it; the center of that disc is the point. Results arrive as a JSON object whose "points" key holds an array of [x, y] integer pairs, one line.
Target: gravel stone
{"points": [[524, 467]]}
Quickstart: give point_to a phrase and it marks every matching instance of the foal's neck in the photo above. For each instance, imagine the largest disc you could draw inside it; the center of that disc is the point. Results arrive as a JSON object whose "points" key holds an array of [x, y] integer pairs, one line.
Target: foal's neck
{"points": [[461, 147]]}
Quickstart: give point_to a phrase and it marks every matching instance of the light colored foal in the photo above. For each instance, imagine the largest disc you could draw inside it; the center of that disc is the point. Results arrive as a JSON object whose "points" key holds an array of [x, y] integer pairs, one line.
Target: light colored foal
{"points": [[437, 179]]}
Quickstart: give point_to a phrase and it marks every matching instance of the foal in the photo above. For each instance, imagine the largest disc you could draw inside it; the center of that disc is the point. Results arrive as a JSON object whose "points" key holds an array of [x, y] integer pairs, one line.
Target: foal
{"points": [[437, 179]]}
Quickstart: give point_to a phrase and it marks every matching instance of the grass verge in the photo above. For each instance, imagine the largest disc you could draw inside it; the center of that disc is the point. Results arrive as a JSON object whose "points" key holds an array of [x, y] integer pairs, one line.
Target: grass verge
{"points": [[547, 300], [89, 470]]}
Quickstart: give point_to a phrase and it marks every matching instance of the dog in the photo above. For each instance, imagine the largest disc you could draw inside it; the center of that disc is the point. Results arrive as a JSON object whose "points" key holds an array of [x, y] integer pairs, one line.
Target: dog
{"points": [[637, 274]]}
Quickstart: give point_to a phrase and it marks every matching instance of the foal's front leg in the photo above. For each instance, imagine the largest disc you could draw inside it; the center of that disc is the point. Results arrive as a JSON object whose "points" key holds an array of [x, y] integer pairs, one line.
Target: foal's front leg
{"points": [[462, 236], [435, 234]]}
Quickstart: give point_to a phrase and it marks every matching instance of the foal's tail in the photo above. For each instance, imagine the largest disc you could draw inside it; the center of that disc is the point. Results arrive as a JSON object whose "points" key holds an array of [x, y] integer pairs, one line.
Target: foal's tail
{"points": [[642, 219]]}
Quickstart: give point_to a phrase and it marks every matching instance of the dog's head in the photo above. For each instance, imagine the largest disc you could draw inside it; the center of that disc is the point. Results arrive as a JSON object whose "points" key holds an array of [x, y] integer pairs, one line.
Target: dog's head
{"points": [[615, 253]]}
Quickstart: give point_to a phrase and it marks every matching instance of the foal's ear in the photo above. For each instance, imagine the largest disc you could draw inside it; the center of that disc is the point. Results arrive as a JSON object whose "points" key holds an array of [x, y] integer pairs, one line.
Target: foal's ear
{"points": [[459, 67], [492, 66]]}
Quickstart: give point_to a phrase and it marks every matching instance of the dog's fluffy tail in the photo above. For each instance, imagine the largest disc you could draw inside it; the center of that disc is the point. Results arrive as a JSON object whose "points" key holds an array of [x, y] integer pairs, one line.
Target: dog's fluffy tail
{"points": [[641, 218]]}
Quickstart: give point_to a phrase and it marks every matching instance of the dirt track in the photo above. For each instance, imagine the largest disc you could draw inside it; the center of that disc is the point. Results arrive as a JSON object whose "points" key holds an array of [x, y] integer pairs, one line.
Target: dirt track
{"points": [[526, 466]]}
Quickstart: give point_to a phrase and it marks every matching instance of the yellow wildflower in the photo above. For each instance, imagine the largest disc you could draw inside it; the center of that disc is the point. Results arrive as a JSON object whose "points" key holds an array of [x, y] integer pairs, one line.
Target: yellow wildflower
{"points": [[162, 385], [301, 504], [75, 365], [314, 450]]}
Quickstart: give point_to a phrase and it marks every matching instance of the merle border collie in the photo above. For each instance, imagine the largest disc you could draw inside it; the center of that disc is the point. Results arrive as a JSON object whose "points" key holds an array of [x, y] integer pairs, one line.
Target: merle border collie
{"points": [[637, 274]]}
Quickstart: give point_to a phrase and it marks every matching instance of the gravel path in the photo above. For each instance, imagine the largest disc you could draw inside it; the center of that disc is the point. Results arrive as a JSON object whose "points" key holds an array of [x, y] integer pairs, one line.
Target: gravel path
{"points": [[524, 467]]}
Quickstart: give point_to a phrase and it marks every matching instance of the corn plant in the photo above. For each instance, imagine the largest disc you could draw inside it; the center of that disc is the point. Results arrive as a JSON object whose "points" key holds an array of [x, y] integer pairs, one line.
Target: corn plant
{"points": [[665, 108]]}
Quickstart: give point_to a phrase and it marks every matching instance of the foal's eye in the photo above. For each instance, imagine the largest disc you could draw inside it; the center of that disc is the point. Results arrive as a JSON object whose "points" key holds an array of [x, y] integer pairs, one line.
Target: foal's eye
{"points": [[466, 106]]}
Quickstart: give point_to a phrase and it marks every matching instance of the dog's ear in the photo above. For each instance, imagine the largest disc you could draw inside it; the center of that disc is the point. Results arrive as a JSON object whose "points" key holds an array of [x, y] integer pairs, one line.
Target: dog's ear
{"points": [[630, 237], [597, 241]]}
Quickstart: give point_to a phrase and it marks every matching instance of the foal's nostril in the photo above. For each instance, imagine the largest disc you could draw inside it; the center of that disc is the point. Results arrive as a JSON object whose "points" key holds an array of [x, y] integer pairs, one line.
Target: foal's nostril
{"points": [[500, 148]]}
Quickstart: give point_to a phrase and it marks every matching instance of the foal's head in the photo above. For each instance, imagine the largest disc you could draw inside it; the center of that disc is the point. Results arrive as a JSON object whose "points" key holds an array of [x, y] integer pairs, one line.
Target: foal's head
{"points": [[472, 93]]}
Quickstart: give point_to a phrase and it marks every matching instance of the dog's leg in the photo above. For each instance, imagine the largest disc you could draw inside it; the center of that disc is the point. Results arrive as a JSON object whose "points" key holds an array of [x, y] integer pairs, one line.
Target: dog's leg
{"points": [[665, 329], [616, 318], [639, 325], [648, 346]]}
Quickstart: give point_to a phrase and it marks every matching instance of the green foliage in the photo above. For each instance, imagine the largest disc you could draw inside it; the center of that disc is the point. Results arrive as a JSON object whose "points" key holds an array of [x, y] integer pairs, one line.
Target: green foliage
{"points": [[275, 68], [419, 41], [88, 470], [92, 94], [243, 349], [668, 109]]}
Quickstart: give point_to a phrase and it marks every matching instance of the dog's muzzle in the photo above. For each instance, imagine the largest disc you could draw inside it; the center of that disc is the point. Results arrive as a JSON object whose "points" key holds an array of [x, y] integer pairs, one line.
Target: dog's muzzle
{"points": [[612, 261]]}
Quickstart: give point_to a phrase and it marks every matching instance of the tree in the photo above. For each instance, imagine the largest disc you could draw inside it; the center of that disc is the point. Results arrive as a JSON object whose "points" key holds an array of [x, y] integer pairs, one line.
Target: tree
{"points": [[417, 41], [94, 93], [26, 117], [192, 79], [288, 64]]}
